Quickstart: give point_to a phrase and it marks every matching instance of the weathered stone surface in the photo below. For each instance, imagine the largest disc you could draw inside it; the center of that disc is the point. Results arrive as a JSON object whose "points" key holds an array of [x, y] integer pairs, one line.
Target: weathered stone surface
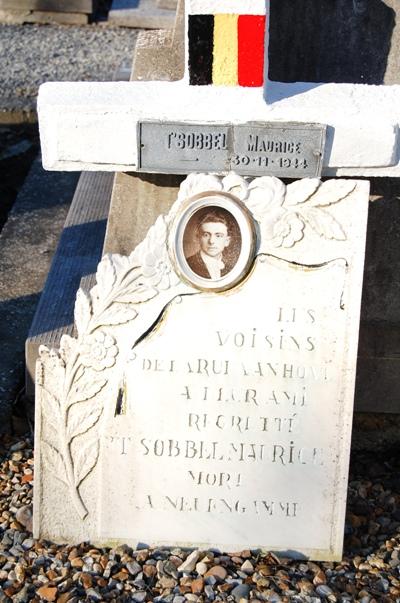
{"points": [[128, 384], [136, 202], [160, 55], [66, 6], [14, 16], [140, 13], [27, 243], [169, 4]]}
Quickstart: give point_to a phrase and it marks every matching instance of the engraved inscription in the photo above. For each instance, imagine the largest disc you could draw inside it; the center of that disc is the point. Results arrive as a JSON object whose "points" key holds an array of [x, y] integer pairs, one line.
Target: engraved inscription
{"points": [[240, 410], [211, 141], [291, 150]]}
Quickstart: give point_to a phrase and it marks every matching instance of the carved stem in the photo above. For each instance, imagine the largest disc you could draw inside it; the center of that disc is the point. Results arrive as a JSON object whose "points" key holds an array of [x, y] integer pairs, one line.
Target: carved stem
{"points": [[69, 466], [76, 497]]}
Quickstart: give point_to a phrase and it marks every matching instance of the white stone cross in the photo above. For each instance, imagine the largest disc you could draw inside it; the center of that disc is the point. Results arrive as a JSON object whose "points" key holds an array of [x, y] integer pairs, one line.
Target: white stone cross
{"points": [[94, 126]]}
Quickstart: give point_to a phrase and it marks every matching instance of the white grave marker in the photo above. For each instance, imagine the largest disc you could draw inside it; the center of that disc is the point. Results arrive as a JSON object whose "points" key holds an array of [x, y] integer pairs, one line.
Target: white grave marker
{"points": [[207, 398]]}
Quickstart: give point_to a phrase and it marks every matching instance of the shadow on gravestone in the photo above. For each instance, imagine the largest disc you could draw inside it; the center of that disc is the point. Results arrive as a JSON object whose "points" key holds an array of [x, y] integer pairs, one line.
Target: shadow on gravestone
{"points": [[125, 4], [72, 262], [341, 41], [15, 317]]}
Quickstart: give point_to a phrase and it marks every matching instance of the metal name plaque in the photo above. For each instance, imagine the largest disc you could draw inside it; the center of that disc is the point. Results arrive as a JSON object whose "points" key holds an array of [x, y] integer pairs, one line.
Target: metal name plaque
{"points": [[289, 150]]}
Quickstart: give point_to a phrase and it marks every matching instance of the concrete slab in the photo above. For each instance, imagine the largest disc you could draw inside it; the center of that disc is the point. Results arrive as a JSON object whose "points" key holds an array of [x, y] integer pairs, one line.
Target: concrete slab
{"points": [[169, 4], [27, 243], [66, 6], [140, 13], [27, 16]]}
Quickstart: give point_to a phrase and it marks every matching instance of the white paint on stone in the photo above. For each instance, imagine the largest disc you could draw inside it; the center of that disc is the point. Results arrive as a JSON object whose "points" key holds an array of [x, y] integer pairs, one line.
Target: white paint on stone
{"points": [[213, 7], [93, 126], [121, 417]]}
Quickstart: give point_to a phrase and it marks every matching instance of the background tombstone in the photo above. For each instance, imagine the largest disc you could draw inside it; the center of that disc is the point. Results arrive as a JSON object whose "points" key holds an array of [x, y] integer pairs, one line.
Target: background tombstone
{"points": [[204, 435]]}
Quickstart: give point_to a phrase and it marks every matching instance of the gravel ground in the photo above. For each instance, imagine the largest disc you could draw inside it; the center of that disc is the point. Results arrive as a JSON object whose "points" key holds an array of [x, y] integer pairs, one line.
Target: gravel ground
{"points": [[33, 54], [32, 570]]}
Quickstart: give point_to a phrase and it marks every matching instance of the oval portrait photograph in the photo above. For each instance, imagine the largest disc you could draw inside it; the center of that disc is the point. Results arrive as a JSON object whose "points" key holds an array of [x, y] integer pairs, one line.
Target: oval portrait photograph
{"points": [[214, 241]]}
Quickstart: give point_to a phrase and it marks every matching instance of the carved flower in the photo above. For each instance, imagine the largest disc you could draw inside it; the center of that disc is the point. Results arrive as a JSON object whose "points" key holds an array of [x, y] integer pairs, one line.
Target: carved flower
{"points": [[158, 270], [288, 230], [98, 351]]}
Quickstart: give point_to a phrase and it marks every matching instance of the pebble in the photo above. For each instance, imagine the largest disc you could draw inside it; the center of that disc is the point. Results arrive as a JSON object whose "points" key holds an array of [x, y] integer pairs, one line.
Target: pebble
{"points": [[190, 562], [139, 596], [217, 571], [134, 568], [48, 593], [201, 568], [323, 590], [24, 516], [241, 591], [197, 586], [93, 594], [247, 567]]}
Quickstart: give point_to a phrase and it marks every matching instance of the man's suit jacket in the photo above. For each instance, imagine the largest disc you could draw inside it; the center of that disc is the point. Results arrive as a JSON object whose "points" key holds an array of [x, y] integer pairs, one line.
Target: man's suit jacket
{"points": [[198, 266]]}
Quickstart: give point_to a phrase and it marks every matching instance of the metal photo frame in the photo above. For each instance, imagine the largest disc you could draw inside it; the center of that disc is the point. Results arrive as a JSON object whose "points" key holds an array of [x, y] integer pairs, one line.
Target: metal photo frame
{"points": [[219, 265]]}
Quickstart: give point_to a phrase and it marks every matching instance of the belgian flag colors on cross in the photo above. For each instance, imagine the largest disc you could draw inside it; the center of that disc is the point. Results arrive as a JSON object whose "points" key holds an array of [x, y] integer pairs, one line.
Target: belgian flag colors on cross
{"points": [[226, 49]]}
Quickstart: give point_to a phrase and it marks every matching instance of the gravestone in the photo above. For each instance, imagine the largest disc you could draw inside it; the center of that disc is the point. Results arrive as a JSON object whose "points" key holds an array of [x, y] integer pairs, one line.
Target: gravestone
{"points": [[214, 362], [222, 393]]}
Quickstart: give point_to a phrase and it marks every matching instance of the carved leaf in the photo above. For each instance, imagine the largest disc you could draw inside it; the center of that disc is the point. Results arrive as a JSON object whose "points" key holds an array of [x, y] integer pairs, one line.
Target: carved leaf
{"points": [[324, 224], [83, 311], [130, 276], [106, 275], [121, 263], [137, 294], [55, 462], [44, 351], [85, 391], [118, 314], [154, 242], [68, 346], [85, 460], [50, 408], [300, 191], [332, 191], [83, 421]]}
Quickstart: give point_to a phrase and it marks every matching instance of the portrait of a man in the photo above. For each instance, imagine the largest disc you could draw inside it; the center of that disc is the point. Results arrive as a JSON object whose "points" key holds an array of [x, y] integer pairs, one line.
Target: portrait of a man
{"points": [[212, 242]]}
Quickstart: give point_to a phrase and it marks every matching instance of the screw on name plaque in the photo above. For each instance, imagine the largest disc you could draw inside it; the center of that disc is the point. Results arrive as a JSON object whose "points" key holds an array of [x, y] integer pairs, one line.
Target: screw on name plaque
{"points": [[291, 150]]}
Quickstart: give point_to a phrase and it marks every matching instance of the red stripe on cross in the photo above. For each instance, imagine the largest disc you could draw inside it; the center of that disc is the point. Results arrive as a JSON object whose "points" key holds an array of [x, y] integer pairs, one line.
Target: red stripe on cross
{"points": [[251, 40]]}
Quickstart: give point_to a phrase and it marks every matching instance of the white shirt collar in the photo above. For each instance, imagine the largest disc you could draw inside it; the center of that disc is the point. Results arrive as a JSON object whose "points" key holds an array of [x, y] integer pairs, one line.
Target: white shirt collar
{"points": [[214, 265]]}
